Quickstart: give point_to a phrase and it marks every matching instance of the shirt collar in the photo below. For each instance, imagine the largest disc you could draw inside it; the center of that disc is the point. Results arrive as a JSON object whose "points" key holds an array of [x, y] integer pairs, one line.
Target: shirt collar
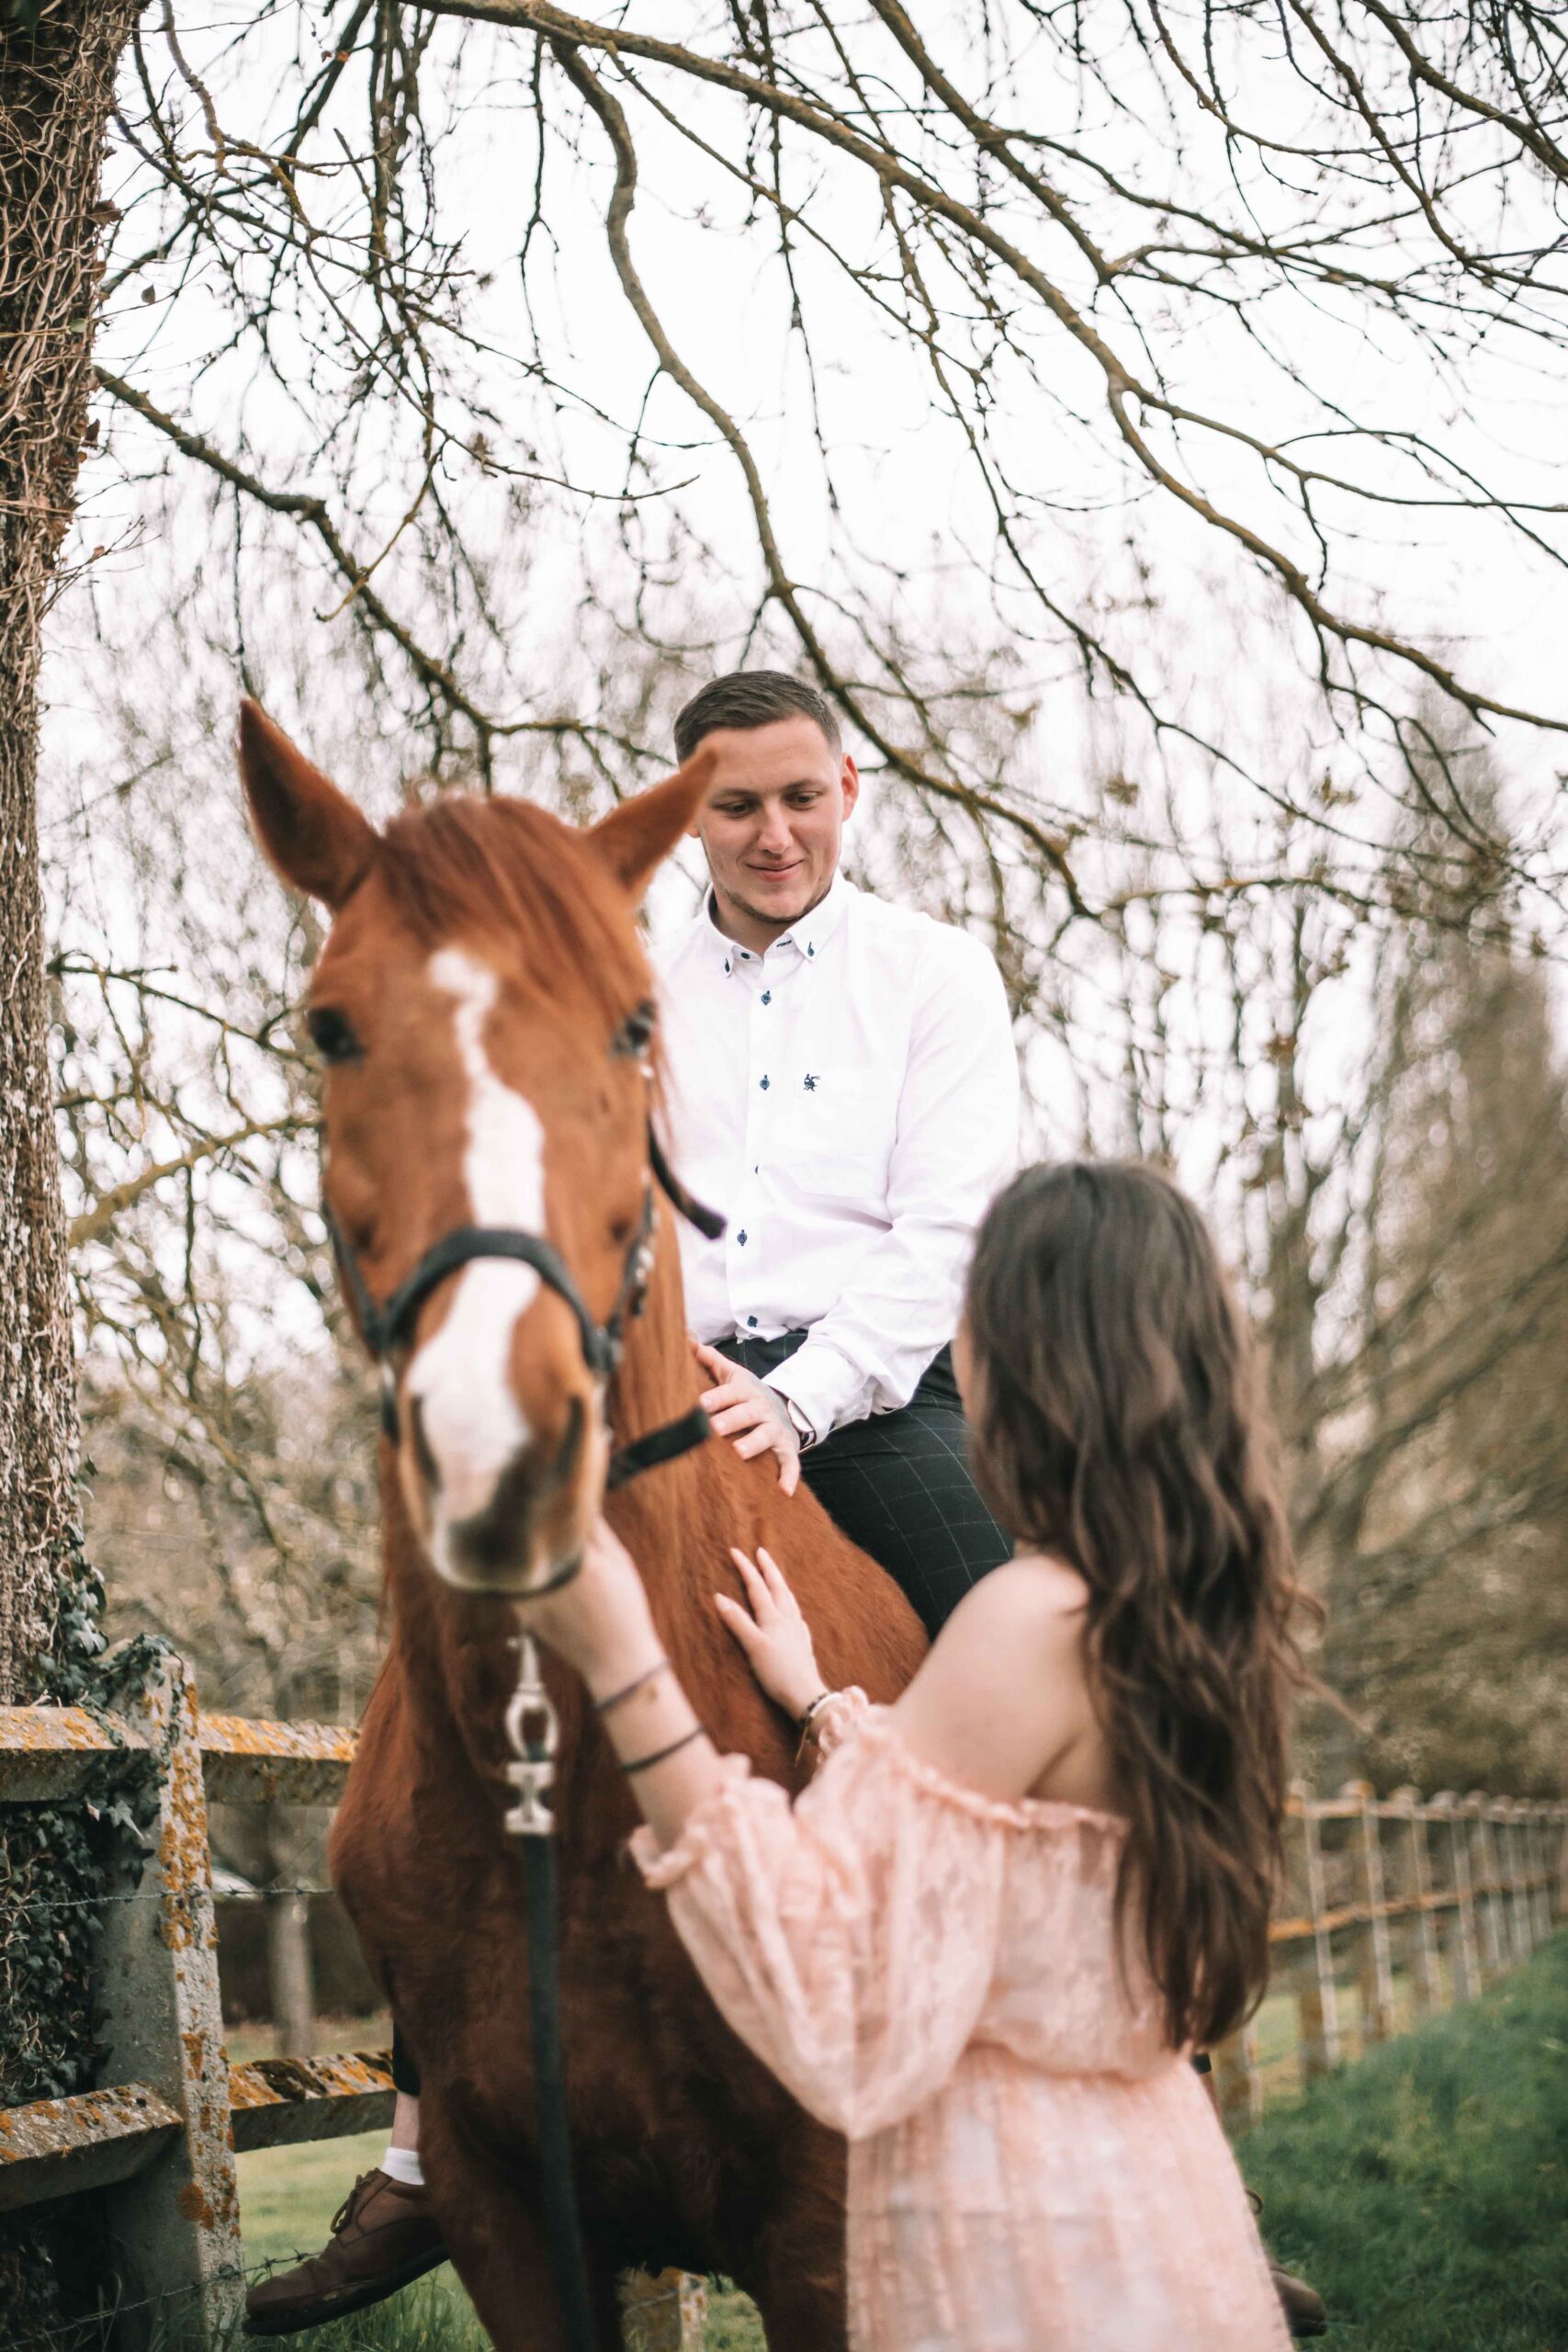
{"points": [[808, 937]]}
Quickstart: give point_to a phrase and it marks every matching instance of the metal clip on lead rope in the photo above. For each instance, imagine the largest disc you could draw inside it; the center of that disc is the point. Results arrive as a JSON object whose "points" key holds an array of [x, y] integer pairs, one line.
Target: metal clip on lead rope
{"points": [[533, 1734]]}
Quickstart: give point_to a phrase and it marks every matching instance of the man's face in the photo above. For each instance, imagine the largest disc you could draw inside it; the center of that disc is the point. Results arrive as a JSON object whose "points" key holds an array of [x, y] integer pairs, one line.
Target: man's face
{"points": [[773, 819]]}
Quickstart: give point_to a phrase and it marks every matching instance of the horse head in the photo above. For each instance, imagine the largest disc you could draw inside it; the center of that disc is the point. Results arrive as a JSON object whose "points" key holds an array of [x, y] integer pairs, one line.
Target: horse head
{"points": [[480, 1006]]}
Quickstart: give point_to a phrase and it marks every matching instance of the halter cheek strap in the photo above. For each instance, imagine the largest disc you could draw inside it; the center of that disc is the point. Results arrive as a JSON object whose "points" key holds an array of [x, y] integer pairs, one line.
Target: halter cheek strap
{"points": [[385, 1327]]}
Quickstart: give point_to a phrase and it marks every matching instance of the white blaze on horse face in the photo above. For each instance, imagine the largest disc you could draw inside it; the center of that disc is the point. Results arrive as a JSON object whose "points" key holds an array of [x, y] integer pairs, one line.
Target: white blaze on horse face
{"points": [[462, 1376]]}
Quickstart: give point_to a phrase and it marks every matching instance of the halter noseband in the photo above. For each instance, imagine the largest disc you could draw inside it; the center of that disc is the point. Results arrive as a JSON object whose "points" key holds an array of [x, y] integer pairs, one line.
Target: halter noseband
{"points": [[384, 1328]]}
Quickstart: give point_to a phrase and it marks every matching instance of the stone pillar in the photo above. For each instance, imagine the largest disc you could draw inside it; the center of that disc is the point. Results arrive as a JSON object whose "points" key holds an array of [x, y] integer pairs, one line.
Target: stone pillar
{"points": [[175, 2227], [666, 2314]]}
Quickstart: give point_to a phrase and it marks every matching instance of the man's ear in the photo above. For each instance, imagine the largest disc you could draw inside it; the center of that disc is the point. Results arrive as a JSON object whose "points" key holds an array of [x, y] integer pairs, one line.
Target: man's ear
{"points": [[315, 837], [635, 838]]}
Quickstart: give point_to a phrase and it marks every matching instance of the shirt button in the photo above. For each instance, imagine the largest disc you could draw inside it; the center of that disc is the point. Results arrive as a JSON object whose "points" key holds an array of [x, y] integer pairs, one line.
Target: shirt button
{"points": [[767, 996], [763, 1084], [741, 1238], [751, 1322]]}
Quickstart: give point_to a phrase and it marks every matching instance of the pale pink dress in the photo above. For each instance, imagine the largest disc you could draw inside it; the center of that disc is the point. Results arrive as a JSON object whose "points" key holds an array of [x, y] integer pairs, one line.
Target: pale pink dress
{"points": [[1030, 2168]]}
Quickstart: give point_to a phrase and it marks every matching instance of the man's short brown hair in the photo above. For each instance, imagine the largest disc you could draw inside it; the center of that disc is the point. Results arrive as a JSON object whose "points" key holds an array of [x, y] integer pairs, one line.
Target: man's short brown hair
{"points": [[754, 698]]}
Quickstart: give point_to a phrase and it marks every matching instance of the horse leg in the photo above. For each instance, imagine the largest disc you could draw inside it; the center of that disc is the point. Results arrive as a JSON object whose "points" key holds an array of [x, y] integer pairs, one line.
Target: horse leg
{"points": [[801, 2314], [496, 2238], [796, 2276]]}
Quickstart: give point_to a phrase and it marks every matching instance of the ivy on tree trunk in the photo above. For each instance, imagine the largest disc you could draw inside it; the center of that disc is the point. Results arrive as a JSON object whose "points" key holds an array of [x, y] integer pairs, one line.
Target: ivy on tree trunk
{"points": [[58, 64], [58, 61]]}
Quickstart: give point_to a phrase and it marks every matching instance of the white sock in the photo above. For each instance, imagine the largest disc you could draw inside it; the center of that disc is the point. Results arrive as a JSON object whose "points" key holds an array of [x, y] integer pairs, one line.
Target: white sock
{"points": [[403, 2163]]}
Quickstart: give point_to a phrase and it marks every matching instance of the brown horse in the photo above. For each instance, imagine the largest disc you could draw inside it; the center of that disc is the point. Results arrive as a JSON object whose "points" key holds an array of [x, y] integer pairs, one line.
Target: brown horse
{"points": [[483, 959]]}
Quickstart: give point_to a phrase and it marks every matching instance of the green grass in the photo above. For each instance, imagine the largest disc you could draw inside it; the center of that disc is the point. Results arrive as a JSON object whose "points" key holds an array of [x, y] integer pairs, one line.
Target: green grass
{"points": [[288, 2197], [1423, 2189]]}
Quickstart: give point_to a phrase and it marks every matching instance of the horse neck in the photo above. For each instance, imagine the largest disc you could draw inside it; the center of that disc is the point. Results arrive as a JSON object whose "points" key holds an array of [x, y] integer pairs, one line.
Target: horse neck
{"points": [[678, 1521]]}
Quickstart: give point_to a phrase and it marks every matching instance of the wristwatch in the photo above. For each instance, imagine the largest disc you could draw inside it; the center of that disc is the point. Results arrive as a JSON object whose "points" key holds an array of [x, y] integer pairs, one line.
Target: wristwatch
{"points": [[804, 1429]]}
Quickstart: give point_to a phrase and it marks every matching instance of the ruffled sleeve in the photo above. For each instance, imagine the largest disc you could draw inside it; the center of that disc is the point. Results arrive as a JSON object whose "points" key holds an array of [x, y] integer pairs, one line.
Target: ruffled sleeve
{"points": [[850, 1940], [841, 1715]]}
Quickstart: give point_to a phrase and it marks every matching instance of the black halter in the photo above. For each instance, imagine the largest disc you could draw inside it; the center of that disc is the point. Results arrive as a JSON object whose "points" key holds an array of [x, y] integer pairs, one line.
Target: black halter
{"points": [[386, 1327]]}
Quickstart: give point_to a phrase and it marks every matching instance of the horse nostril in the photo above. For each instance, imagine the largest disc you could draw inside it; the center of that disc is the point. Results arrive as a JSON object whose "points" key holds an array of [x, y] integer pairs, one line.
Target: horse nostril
{"points": [[428, 1468]]}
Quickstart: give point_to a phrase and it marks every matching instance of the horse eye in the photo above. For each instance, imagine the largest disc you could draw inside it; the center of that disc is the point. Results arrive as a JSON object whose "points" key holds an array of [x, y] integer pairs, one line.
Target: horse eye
{"points": [[332, 1035], [635, 1033]]}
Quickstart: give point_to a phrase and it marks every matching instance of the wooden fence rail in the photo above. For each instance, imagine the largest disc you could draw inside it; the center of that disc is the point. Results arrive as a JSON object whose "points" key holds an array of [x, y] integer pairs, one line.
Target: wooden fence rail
{"points": [[1394, 1908]]}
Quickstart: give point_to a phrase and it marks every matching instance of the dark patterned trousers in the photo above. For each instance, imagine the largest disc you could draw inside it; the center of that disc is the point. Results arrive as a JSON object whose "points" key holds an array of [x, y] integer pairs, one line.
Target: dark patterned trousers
{"points": [[898, 1485]]}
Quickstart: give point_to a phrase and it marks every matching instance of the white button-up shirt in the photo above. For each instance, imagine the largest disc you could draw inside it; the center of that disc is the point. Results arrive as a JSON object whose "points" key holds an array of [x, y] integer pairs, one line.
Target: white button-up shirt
{"points": [[849, 1102]]}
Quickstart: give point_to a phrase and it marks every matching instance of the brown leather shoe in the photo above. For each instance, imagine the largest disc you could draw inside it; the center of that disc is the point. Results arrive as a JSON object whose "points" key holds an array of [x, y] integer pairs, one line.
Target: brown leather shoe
{"points": [[1305, 2313], [383, 2235]]}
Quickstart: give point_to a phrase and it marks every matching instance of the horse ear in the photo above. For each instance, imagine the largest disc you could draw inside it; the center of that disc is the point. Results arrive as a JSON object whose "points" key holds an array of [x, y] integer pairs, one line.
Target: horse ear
{"points": [[636, 838], [315, 837]]}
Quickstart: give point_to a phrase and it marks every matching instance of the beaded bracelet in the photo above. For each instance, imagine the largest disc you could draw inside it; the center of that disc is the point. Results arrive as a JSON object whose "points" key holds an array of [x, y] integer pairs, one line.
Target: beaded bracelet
{"points": [[808, 1724], [805, 1722]]}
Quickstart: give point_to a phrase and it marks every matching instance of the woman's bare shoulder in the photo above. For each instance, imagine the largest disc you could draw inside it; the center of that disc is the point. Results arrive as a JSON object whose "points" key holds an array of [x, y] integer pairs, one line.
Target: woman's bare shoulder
{"points": [[1032, 1593], [1002, 1695]]}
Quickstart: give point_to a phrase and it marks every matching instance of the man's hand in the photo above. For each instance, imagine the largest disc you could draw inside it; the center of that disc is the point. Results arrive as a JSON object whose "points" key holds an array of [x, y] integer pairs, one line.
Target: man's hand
{"points": [[743, 1407]]}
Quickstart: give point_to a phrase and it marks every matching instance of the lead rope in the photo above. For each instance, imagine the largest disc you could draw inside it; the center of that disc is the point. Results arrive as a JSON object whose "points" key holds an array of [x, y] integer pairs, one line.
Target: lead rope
{"points": [[533, 1734]]}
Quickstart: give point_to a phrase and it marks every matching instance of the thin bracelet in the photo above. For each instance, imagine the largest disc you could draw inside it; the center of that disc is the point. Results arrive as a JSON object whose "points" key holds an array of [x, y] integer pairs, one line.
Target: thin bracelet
{"points": [[804, 1722], [602, 1706], [645, 1763], [807, 1724]]}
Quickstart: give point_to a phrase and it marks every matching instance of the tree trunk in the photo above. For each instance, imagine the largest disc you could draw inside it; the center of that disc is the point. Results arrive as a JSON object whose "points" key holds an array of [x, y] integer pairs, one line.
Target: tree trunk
{"points": [[58, 61]]}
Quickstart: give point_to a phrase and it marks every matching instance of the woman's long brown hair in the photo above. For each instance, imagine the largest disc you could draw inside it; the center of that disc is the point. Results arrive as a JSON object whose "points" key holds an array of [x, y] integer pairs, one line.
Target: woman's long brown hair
{"points": [[1119, 1424]]}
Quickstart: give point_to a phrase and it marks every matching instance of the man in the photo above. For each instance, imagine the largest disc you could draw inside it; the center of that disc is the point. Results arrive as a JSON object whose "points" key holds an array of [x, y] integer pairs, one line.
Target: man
{"points": [[845, 1087]]}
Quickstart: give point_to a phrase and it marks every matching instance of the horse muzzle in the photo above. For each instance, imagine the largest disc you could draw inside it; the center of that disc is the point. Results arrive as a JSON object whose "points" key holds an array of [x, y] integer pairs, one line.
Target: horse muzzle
{"points": [[517, 1530]]}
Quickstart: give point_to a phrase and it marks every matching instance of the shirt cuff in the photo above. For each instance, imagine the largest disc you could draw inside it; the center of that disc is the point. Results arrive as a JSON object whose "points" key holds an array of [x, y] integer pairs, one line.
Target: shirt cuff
{"points": [[827, 1388]]}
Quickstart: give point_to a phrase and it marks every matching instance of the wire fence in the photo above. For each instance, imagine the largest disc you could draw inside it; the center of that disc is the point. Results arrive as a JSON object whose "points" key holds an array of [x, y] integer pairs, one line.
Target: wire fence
{"points": [[224, 1895]]}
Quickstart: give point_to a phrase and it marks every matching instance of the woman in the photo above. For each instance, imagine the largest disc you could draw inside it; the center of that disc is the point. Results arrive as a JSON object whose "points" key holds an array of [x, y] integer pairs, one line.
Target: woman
{"points": [[985, 1940]]}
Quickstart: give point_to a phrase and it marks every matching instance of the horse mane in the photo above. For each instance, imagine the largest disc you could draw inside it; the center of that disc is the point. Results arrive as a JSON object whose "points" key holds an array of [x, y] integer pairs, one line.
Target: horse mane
{"points": [[507, 868]]}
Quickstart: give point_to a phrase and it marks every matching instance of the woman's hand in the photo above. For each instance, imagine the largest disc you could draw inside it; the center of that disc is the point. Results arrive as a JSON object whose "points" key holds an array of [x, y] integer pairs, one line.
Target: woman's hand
{"points": [[600, 1623], [773, 1635]]}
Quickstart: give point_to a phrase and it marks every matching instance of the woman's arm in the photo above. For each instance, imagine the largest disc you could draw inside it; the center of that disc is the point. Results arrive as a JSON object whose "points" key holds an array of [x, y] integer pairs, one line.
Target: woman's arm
{"points": [[600, 1624], [849, 1939], [999, 1698]]}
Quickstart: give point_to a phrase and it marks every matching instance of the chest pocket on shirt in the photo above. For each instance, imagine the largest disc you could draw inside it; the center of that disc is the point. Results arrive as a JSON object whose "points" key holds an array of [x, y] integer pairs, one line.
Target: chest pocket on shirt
{"points": [[840, 1138]]}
